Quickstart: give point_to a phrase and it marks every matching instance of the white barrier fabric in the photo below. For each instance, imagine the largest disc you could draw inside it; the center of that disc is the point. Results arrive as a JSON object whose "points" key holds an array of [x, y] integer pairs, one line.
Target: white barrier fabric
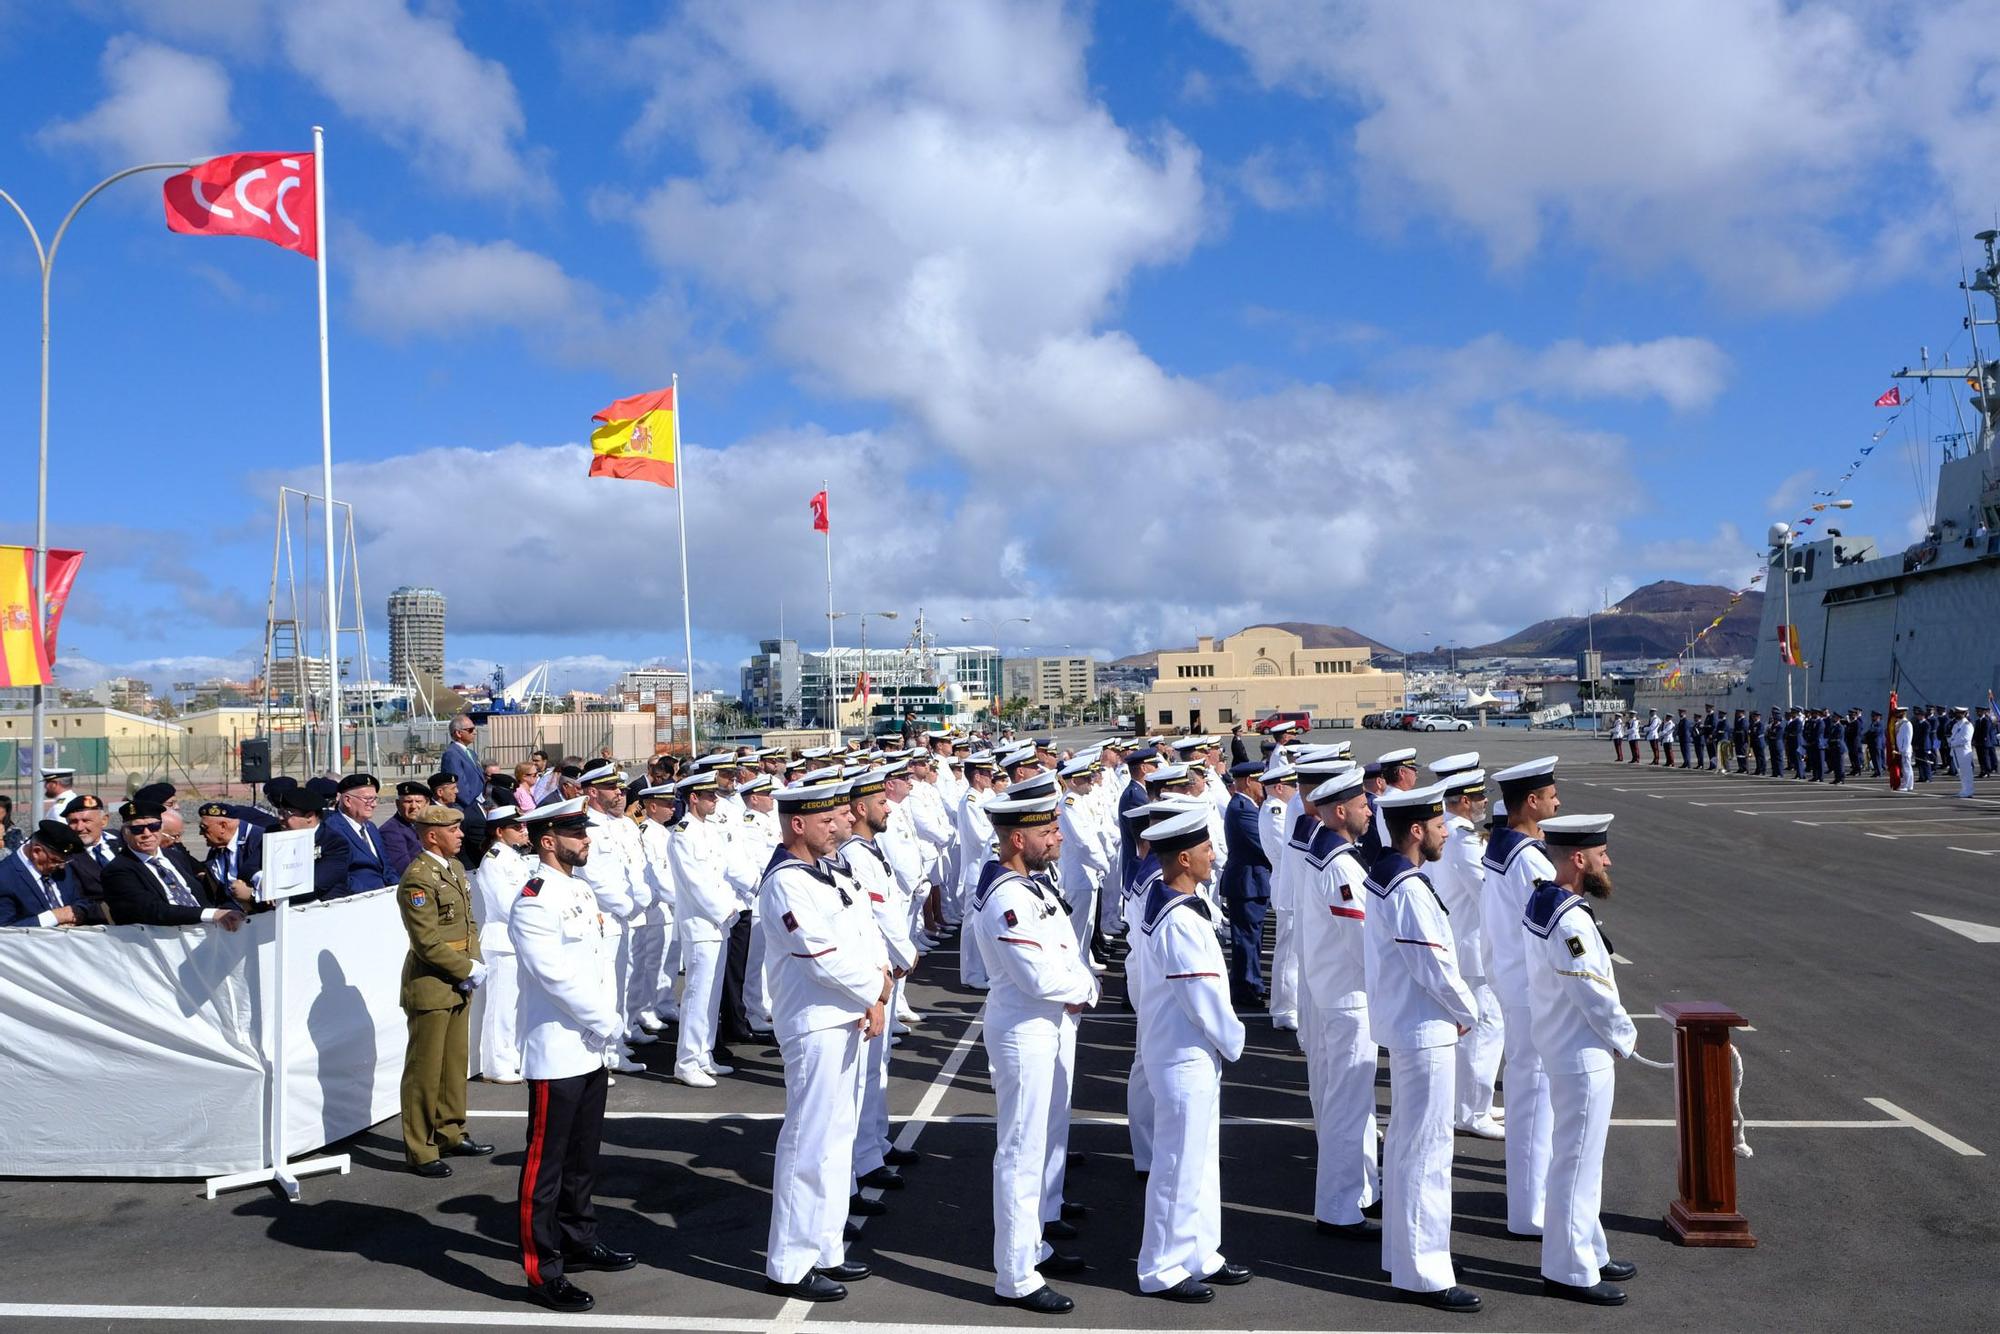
{"points": [[141, 1051]]}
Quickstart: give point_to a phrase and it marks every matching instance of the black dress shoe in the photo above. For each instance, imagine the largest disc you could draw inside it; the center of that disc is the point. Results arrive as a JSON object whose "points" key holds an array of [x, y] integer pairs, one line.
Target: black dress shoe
{"points": [[468, 1147], [434, 1168], [1366, 1230], [1042, 1301], [1603, 1294], [599, 1256], [860, 1206], [1062, 1262], [1059, 1231], [1617, 1270], [883, 1178], [559, 1294], [763, 1037], [814, 1287], [1074, 1158], [1446, 1299], [847, 1271], [1230, 1276], [1372, 1210], [1075, 1213], [902, 1157], [1188, 1290]]}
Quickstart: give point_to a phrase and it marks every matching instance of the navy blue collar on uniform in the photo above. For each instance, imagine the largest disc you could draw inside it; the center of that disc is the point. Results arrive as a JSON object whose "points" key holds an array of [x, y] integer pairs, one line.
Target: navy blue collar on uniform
{"points": [[990, 876], [1301, 836], [1505, 845], [1324, 846], [1162, 899], [1548, 902]]}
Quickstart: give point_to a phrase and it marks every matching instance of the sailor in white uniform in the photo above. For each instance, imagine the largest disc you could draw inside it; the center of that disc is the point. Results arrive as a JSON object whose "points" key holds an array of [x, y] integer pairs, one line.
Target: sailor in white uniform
{"points": [[1581, 1029], [1418, 1007], [656, 865], [830, 988], [1961, 748], [614, 875], [1515, 859], [496, 885], [1187, 1030], [975, 849], [1460, 878], [1341, 1054], [888, 903], [570, 1031], [753, 837], [698, 853], [1086, 852], [1297, 826], [1039, 985]]}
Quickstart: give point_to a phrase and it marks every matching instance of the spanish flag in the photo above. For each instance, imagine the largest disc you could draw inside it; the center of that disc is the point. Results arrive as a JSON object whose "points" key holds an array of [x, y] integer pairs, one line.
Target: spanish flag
{"points": [[636, 440], [24, 658]]}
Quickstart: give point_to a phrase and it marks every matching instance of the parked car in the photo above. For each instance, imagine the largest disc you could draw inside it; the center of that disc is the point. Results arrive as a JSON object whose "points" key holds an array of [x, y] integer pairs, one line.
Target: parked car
{"points": [[1265, 724], [1441, 722]]}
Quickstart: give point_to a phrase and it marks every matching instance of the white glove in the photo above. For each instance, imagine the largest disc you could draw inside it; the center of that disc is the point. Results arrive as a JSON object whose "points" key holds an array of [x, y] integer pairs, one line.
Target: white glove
{"points": [[477, 976]]}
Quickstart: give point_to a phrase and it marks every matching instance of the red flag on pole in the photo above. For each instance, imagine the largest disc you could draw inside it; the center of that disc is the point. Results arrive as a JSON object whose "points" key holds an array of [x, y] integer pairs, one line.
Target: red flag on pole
{"points": [[266, 195], [1892, 399], [63, 566], [818, 503]]}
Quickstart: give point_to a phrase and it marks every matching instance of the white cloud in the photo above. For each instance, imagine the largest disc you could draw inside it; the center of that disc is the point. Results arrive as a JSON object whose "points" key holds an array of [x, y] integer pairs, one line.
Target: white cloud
{"points": [[1747, 139], [1726, 557], [1684, 373], [410, 79], [1792, 490], [1282, 180], [160, 105]]}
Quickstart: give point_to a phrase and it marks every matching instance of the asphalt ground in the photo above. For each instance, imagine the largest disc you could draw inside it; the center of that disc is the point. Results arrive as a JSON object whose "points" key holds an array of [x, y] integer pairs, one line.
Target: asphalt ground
{"points": [[1869, 1084]]}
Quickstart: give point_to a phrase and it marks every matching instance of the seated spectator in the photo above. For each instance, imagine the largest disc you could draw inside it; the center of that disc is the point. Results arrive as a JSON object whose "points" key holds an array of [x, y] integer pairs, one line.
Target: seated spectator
{"points": [[226, 835], [400, 844], [304, 807], [367, 857], [86, 820], [525, 775], [11, 836], [36, 888], [150, 884], [167, 797], [444, 789]]}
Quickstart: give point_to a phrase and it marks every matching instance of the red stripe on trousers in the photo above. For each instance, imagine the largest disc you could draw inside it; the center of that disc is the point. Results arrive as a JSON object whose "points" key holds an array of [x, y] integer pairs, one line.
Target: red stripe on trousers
{"points": [[538, 1124]]}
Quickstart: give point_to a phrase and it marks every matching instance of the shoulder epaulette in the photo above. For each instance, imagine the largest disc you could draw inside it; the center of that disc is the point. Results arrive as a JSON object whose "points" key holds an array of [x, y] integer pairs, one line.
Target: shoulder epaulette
{"points": [[532, 888]]}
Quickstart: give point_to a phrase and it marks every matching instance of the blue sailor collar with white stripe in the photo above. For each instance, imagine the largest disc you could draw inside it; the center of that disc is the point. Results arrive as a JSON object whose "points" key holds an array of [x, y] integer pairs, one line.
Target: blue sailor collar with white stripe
{"points": [[1548, 902], [1143, 876], [990, 876], [1505, 845], [1161, 899], [819, 871], [1391, 869], [1325, 846], [1302, 835]]}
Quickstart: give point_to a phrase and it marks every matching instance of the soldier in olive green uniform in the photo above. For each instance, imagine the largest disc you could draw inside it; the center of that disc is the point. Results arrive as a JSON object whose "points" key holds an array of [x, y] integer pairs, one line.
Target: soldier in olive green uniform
{"points": [[439, 975]]}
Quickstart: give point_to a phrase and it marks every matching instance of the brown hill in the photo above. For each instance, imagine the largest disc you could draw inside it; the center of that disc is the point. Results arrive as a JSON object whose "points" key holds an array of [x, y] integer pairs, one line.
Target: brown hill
{"points": [[1655, 621], [1312, 633]]}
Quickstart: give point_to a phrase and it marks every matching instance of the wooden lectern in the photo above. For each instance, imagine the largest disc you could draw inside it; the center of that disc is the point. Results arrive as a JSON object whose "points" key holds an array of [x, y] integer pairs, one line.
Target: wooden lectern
{"points": [[1704, 1123]]}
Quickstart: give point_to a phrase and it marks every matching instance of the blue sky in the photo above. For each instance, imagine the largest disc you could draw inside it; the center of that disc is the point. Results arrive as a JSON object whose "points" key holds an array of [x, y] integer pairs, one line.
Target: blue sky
{"points": [[1142, 321]]}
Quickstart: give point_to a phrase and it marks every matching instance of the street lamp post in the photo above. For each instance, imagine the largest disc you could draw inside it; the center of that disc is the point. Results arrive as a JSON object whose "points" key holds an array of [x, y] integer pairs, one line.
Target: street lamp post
{"points": [[832, 664], [1782, 536], [46, 260], [999, 650]]}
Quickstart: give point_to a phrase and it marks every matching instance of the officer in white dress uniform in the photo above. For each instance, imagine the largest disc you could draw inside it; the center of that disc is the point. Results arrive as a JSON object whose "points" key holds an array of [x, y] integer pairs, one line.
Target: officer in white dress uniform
{"points": [[1515, 859], [975, 849], [1341, 1055], [888, 903], [1418, 1007], [570, 1031], [1187, 1030], [753, 838], [1039, 984], [651, 925], [1581, 1028], [497, 884], [1460, 879], [656, 850], [614, 875], [1311, 767], [1086, 852], [1961, 748], [830, 987], [57, 792], [699, 855]]}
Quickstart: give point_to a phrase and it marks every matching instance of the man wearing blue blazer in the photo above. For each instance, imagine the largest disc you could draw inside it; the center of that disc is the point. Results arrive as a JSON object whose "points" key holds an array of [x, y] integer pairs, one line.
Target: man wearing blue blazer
{"points": [[367, 857], [36, 888], [461, 761]]}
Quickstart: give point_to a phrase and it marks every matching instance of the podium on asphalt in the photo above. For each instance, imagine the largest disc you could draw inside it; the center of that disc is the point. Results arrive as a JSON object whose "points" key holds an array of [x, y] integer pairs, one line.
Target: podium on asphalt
{"points": [[1704, 1126]]}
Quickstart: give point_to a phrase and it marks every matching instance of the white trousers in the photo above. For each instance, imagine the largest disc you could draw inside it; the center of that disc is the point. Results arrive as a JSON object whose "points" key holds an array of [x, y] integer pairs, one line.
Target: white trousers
{"points": [[499, 1043], [1416, 1176], [1059, 1098], [617, 961], [1340, 1075], [1285, 969], [1479, 1056], [1527, 1124], [756, 984], [1573, 1240], [665, 1003], [701, 1005], [1111, 904], [1181, 1236], [1024, 1060], [1139, 1111], [1081, 919], [642, 986], [1909, 771], [815, 1156], [1967, 766], [871, 1138]]}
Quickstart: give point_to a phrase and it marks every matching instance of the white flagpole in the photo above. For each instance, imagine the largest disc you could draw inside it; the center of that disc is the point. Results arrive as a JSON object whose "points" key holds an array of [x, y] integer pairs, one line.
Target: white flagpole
{"points": [[687, 616], [326, 465], [832, 668]]}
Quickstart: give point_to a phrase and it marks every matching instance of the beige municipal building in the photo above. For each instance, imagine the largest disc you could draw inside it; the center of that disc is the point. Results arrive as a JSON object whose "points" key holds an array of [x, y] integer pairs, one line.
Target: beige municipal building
{"points": [[1261, 671]]}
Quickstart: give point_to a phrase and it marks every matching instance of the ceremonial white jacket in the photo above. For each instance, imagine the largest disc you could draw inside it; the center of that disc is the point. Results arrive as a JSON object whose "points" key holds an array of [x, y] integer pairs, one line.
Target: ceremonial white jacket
{"points": [[495, 887], [1579, 1022], [822, 950], [1033, 968], [1460, 877], [1509, 870], [1416, 998], [708, 903], [568, 1018], [1186, 1015], [1332, 925]]}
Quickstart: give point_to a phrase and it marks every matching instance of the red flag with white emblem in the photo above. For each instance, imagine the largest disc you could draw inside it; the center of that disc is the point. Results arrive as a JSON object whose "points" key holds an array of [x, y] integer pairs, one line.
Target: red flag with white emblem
{"points": [[266, 195]]}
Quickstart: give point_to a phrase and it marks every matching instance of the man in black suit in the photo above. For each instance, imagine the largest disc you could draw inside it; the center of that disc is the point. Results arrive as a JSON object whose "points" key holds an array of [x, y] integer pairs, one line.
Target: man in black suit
{"points": [[151, 884], [35, 886], [85, 818], [306, 807], [223, 834]]}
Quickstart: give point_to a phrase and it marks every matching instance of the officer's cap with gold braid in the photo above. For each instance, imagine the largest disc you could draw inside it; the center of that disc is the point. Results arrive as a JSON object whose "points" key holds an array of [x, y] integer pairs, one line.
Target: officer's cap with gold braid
{"points": [[1577, 831], [1466, 783], [810, 798], [1177, 833], [1021, 813], [701, 782], [599, 773]]}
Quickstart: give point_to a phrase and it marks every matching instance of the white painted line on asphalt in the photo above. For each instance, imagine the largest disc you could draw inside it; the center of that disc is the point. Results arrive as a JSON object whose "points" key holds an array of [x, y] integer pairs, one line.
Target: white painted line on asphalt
{"points": [[311, 1315], [1944, 833], [1977, 932], [1886, 820], [1975, 851], [1093, 1119], [1917, 1123], [1619, 958], [1869, 833]]}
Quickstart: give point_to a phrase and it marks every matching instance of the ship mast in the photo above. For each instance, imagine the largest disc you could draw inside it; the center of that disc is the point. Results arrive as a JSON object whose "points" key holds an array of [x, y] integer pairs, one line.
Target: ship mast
{"points": [[1982, 376]]}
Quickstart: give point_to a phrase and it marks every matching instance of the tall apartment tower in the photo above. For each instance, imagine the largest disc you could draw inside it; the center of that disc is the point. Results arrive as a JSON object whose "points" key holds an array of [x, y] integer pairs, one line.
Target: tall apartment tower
{"points": [[416, 640]]}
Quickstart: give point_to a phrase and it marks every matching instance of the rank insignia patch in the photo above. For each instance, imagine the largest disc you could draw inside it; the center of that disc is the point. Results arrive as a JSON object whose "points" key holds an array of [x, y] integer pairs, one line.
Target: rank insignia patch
{"points": [[1575, 944], [1011, 919], [532, 888], [1346, 894], [791, 922]]}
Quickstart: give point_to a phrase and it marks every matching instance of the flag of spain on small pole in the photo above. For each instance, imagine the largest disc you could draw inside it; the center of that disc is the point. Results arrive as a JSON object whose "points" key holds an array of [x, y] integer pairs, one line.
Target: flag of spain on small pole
{"points": [[637, 439]]}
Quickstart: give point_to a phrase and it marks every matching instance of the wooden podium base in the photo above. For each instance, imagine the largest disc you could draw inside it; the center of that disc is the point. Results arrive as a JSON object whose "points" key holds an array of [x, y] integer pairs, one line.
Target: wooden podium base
{"points": [[1704, 1105], [1699, 1229]]}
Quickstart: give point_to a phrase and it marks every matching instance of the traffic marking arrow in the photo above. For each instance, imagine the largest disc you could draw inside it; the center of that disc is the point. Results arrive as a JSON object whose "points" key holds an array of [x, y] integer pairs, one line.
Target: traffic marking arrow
{"points": [[1974, 931]]}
